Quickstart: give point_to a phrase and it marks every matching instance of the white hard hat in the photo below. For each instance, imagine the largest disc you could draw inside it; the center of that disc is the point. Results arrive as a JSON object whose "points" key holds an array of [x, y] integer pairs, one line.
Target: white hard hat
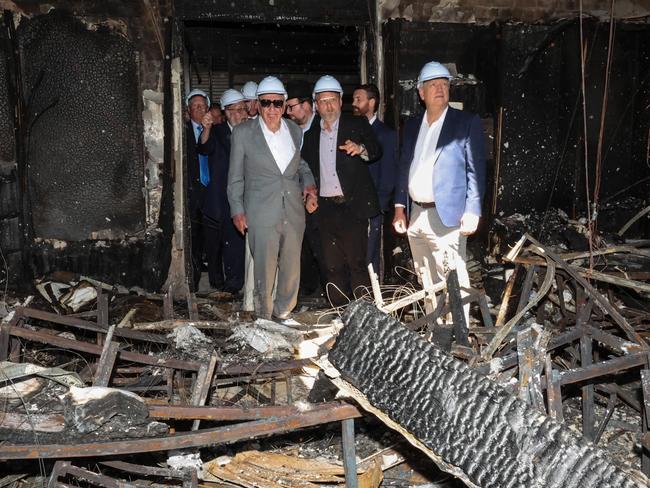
{"points": [[230, 96], [327, 83], [249, 90], [194, 93], [431, 71], [271, 84]]}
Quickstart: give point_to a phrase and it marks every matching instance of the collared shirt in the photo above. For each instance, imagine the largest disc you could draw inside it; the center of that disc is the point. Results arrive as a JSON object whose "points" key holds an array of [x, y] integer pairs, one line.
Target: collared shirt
{"points": [[421, 172], [330, 186], [280, 143], [372, 119], [197, 128]]}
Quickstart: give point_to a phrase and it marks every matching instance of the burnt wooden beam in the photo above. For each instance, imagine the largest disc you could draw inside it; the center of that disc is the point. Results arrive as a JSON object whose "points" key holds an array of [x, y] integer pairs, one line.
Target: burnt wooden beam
{"points": [[603, 368], [612, 402], [470, 426], [505, 300], [531, 350], [63, 342], [593, 293], [456, 304], [526, 287], [91, 326], [587, 393], [184, 440], [496, 341]]}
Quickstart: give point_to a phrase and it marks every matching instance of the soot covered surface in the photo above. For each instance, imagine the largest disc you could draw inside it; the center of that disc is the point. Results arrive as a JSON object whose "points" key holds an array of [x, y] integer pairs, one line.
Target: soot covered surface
{"points": [[469, 421], [85, 151], [6, 108]]}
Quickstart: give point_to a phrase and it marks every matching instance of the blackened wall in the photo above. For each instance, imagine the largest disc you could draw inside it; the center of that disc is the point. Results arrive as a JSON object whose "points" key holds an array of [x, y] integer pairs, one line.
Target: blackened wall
{"points": [[532, 73], [85, 156], [542, 148], [11, 263]]}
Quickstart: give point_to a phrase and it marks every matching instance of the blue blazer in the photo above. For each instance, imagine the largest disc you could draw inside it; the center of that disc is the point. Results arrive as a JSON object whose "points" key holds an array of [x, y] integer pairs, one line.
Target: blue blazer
{"points": [[459, 172], [384, 170]]}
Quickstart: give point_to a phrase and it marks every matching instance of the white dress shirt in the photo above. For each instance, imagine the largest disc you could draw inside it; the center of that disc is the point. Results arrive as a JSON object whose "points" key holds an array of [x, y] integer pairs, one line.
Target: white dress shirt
{"points": [[280, 143], [421, 171]]}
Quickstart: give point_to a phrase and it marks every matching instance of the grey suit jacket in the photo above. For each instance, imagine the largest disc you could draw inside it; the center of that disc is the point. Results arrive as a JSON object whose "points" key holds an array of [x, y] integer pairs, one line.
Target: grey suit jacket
{"points": [[256, 186]]}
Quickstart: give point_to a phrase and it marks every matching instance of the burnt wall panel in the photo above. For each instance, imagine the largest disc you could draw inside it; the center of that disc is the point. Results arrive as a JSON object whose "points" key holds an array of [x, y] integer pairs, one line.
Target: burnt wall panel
{"points": [[7, 143], [464, 45], [131, 262], [85, 141], [344, 12], [624, 148], [531, 143]]}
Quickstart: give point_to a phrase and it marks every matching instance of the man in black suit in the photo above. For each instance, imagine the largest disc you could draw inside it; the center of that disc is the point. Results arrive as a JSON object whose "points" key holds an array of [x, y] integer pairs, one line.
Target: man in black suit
{"points": [[227, 272], [300, 109], [204, 217], [365, 102], [338, 150]]}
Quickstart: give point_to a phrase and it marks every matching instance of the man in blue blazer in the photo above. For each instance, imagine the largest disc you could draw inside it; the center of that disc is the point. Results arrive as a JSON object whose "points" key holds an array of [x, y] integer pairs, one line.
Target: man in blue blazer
{"points": [[442, 172], [365, 102]]}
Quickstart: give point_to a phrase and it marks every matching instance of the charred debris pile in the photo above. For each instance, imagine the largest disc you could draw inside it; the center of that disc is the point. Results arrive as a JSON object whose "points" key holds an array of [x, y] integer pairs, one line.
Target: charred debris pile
{"points": [[548, 385]]}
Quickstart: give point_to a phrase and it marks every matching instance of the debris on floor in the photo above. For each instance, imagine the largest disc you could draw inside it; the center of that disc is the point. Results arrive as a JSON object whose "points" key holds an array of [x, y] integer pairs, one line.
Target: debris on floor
{"points": [[104, 385]]}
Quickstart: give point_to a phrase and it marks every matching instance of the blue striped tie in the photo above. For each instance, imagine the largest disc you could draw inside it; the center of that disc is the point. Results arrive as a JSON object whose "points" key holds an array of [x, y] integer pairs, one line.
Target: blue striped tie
{"points": [[204, 167]]}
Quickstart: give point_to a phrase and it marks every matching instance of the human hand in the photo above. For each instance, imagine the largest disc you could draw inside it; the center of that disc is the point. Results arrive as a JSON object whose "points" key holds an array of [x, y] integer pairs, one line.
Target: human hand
{"points": [[352, 148], [468, 224], [309, 190], [311, 203], [240, 223], [399, 220], [207, 121]]}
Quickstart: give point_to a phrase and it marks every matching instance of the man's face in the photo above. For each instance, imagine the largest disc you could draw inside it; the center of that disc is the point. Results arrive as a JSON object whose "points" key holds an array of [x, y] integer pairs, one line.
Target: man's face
{"points": [[197, 108], [271, 114], [236, 113], [299, 112], [252, 107], [435, 93], [217, 115], [361, 104], [329, 105]]}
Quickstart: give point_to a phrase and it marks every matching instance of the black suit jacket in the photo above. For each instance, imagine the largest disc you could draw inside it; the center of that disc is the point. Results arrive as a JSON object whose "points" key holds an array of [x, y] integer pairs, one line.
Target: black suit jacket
{"points": [[384, 170], [354, 175], [211, 200]]}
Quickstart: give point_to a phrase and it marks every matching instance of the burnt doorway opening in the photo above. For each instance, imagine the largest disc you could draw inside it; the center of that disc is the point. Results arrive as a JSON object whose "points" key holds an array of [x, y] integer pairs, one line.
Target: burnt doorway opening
{"points": [[218, 55], [225, 55]]}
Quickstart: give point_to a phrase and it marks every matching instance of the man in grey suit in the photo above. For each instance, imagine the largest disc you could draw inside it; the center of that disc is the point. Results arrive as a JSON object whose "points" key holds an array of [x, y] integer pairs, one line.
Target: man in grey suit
{"points": [[268, 184]]}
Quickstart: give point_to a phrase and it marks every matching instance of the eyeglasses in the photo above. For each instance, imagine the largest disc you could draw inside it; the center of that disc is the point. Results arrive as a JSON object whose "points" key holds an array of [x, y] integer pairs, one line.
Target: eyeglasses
{"points": [[266, 103], [300, 102], [328, 101], [237, 110]]}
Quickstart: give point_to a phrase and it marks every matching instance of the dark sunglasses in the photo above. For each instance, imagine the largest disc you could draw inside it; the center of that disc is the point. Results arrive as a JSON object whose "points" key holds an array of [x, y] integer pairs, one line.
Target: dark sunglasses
{"points": [[266, 103]]}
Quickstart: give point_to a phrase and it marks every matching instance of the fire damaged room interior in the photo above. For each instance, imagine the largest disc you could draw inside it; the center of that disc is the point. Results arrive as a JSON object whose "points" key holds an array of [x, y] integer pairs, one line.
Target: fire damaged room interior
{"points": [[299, 244]]}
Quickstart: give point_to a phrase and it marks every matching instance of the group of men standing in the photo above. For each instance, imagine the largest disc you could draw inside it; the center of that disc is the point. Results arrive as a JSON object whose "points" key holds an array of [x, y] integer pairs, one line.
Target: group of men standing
{"points": [[288, 163]]}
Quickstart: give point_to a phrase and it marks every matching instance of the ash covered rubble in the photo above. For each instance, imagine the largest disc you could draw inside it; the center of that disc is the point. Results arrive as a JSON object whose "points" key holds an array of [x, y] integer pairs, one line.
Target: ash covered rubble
{"points": [[102, 391], [555, 375]]}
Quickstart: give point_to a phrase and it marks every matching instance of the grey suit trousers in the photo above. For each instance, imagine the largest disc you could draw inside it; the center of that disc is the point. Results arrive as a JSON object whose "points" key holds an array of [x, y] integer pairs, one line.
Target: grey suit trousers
{"points": [[275, 249]]}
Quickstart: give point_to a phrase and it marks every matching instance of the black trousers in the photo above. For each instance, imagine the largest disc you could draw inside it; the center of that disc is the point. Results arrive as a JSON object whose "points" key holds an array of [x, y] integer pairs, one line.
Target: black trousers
{"points": [[206, 239], [312, 271], [344, 243], [233, 251]]}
